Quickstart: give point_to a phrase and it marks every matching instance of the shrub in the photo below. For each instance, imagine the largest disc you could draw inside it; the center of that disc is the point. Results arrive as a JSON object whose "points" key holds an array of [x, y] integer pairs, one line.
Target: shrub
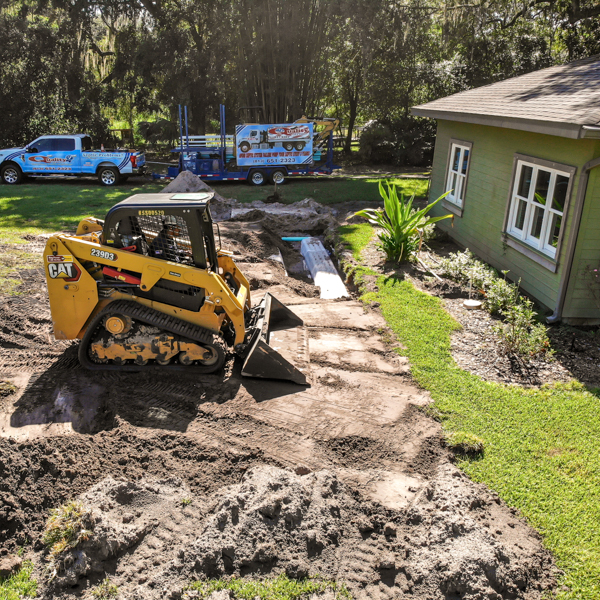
{"points": [[404, 141], [377, 143], [498, 294], [401, 225], [520, 334]]}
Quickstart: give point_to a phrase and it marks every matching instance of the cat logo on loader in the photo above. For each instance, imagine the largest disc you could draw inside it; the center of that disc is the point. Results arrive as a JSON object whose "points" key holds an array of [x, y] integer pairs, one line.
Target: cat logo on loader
{"points": [[64, 270]]}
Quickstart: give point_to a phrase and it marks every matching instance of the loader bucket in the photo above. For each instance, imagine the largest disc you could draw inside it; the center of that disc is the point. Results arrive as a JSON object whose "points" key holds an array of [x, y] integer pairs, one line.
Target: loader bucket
{"points": [[278, 344]]}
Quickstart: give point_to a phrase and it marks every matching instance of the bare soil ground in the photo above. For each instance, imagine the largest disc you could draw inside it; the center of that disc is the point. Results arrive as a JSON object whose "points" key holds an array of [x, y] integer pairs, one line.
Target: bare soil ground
{"points": [[347, 478]]}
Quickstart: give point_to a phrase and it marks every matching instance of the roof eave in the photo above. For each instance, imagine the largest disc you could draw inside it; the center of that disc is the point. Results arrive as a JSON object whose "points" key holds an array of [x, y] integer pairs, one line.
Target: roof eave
{"points": [[566, 130], [590, 132]]}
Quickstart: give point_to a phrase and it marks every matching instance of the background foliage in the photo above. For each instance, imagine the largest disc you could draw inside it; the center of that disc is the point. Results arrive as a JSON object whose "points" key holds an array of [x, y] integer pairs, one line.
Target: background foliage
{"points": [[80, 65]]}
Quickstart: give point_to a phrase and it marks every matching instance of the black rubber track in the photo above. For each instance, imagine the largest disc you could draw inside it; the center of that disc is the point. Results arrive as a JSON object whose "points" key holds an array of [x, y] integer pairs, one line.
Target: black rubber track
{"points": [[155, 318]]}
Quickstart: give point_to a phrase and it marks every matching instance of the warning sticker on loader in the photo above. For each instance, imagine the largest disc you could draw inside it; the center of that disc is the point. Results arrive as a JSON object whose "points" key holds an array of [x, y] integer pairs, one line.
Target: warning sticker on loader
{"points": [[60, 258], [67, 271]]}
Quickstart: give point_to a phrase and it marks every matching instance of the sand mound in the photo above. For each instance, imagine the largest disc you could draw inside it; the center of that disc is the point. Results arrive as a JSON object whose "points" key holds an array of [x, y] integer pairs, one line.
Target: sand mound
{"points": [[276, 521]]}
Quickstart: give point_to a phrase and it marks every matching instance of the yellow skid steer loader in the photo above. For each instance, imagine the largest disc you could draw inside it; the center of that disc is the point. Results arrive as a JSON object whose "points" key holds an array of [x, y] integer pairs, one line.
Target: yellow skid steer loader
{"points": [[147, 288]]}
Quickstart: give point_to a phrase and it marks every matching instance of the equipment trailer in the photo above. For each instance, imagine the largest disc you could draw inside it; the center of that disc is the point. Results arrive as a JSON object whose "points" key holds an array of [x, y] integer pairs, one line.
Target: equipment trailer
{"points": [[258, 153]]}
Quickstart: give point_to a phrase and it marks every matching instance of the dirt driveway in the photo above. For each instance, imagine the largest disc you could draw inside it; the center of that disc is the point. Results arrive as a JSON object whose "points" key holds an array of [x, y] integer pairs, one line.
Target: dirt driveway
{"points": [[347, 478]]}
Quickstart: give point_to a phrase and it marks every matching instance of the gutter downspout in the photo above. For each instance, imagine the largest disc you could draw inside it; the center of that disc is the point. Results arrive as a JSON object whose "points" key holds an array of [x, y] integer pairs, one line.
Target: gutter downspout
{"points": [[556, 316]]}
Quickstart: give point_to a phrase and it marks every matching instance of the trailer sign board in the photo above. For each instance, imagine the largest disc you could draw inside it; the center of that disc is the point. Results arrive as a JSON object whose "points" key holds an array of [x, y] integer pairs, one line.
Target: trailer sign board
{"points": [[290, 144]]}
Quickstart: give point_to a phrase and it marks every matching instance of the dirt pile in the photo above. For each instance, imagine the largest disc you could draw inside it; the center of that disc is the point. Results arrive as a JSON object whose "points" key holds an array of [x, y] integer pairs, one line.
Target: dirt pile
{"points": [[306, 216], [454, 541], [41, 474], [122, 513], [187, 182]]}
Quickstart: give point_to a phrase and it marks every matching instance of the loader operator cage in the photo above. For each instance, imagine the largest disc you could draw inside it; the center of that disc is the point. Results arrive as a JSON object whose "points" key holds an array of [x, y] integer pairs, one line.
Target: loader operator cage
{"points": [[162, 226]]}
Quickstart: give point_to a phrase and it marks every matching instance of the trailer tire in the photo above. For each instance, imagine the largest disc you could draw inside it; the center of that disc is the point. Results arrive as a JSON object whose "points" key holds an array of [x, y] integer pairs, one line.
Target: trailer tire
{"points": [[299, 145], [11, 174], [288, 146], [108, 176], [244, 146], [257, 178], [278, 177]]}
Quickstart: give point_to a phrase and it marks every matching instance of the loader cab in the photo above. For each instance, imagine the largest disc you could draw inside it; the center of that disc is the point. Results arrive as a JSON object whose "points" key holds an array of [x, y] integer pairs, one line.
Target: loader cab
{"points": [[176, 227]]}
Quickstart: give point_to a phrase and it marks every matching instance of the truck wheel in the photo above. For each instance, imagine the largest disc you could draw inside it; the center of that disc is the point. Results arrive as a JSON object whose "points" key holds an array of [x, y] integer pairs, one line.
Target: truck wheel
{"points": [[299, 145], [108, 175], [257, 178], [288, 146], [11, 174], [244, 146], [278, 177]]}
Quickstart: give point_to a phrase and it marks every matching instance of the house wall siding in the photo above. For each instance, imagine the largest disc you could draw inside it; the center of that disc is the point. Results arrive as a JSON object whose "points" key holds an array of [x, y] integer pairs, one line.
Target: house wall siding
{"points": [[487, 196], [581, 302]]}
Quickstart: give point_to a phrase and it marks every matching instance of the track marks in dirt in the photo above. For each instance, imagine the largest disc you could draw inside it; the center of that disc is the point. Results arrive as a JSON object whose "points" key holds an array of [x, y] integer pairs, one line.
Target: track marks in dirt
{"points": [[41, 474]]}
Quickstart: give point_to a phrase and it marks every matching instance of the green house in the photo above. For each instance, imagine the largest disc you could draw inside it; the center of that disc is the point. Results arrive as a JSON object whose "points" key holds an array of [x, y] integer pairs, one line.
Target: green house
{"points": [[521, 158]]}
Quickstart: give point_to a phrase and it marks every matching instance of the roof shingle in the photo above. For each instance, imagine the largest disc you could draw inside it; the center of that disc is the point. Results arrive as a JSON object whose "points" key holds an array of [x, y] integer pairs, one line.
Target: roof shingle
{"points": [[564, 94]]}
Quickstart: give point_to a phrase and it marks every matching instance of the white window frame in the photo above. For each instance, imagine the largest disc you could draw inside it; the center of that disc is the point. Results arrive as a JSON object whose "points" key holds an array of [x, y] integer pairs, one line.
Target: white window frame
{"points": [[457, 180], [524, 234]]}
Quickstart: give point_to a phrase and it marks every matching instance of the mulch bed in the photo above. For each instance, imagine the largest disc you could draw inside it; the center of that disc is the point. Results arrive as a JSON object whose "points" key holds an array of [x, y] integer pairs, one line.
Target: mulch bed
{"points": [[475, 347]]}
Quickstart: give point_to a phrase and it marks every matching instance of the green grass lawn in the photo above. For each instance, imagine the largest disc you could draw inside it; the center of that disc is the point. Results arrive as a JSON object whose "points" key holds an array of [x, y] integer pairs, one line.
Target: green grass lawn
{"points": [[56, 205], [326, 190], [278, 588], [20, 585], [542, 446]]}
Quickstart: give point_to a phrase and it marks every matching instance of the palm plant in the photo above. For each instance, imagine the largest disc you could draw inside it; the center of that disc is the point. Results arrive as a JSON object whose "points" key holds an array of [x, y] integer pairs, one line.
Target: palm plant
{"points": [[400, 224]]}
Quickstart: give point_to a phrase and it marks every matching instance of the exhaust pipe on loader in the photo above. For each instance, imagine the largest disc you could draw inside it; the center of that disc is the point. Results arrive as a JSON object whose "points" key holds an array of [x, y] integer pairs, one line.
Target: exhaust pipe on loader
{"points": [[278, 343]]}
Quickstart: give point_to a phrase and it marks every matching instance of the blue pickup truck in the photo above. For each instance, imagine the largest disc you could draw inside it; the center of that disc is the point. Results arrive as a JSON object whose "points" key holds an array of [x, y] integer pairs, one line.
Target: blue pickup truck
{"points": [[69, 155]]}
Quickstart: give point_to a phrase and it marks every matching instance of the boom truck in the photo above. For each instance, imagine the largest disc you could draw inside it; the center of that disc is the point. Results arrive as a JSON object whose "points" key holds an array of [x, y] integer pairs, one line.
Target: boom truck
{"points": [[257, 153]]}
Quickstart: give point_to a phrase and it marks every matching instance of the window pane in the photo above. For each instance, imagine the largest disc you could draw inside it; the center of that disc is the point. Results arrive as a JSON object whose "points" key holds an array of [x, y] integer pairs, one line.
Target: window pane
{"points": [[536, 223], [43, 145], [453, 184], [465, 162], [459, 186], [560, 193], [63, 145], [541, 186], [456, 160], [554, 230], [525, 181], [520, 219]]}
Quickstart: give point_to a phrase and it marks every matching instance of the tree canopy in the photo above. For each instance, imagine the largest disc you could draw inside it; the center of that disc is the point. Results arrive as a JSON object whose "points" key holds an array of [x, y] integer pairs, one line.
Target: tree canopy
{"points": [[77, 65]]}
